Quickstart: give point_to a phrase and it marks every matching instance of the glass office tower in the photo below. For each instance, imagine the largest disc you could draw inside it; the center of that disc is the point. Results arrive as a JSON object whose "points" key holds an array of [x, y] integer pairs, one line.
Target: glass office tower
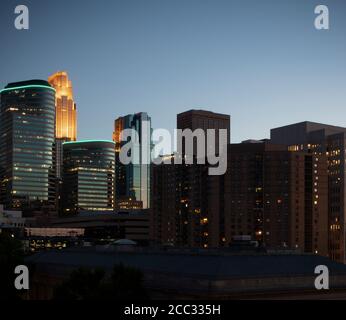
{"points": [[88, 176], [27, 125], [133, 180]]}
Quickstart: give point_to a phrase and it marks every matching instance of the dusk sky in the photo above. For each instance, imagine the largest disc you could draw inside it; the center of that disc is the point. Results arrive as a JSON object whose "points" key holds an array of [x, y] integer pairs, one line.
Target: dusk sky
{"points": [[262, 62]]}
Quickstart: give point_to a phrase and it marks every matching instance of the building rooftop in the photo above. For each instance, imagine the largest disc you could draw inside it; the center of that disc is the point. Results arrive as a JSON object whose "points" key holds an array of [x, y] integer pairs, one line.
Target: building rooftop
{"points": [[309, 126], [87, 141], [181, 275], [36, 83], [194, 265], [204, 113]]}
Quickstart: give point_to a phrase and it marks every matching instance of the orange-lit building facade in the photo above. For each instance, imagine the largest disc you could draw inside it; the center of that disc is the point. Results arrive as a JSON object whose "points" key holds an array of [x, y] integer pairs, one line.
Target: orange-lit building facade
{"points": [[66, 112]]}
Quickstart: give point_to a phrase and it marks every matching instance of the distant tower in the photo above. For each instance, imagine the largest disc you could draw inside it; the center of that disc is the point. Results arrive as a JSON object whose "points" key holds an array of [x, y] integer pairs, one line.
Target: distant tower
{"points": [[66, 113], [66, 116], [133, 180]]}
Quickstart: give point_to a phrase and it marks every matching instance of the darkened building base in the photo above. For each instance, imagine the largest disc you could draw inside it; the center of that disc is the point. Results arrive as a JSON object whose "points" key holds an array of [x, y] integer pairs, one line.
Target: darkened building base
{"points": [[171, 275]]}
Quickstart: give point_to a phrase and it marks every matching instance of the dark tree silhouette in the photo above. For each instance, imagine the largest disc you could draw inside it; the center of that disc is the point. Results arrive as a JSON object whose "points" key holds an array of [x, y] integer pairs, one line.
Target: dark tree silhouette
{"points": [[11, 255], [125, 283], [86, 284], [83, 284]]}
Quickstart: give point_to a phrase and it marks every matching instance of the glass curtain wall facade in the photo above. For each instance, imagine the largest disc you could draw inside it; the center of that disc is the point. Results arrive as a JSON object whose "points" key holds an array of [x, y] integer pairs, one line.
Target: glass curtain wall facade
{"points": [[88, 176], [133, 180], [27, 125]]}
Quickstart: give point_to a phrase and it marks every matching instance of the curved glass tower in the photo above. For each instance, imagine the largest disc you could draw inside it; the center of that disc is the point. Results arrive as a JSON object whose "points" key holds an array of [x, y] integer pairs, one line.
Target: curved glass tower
{"points": [[88, 176], [27, 132]]}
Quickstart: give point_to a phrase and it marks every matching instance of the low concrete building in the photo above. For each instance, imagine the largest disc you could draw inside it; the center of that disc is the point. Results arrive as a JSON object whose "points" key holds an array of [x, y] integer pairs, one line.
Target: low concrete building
{"points": [[13, 219], [132, 225]]}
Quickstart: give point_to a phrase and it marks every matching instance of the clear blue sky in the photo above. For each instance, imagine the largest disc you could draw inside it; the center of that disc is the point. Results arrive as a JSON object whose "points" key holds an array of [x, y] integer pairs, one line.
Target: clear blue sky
{"points": [[262, 62]]}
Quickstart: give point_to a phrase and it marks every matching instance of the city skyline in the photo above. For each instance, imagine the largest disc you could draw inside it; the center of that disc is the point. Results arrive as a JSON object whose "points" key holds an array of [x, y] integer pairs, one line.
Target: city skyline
{"points": [[172, 150], [261, 62]]}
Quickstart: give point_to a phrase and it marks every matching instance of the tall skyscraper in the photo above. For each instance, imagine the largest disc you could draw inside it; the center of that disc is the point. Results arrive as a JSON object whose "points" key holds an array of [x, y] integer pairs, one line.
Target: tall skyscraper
{"points": [[88, 176], [327, 144], [181, 209], [66, 116], [27, 124], [188, 203], [133, 179], [201, 198], [269, 196], [202, 119], [66, 112]]}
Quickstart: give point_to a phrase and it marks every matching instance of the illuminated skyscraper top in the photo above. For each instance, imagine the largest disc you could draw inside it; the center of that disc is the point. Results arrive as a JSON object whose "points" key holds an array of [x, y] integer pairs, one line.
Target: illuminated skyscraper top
{"points": [[66, 113]]}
